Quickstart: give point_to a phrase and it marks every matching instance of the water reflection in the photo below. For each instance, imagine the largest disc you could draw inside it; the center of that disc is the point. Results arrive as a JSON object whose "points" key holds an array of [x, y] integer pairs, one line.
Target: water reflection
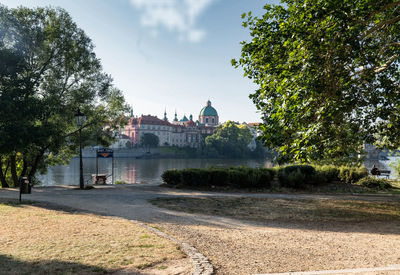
{"points": [[134, 170], [149, 171]]}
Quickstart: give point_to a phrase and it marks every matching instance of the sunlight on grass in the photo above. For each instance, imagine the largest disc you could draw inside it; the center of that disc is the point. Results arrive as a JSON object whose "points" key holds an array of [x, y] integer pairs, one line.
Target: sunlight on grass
{"points": [[35, 240]]}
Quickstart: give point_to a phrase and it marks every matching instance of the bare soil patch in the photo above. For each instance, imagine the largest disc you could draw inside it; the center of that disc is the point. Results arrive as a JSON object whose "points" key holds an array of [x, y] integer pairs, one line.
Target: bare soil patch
{"points": [[262, 209], [282, 235], [35, 240]]}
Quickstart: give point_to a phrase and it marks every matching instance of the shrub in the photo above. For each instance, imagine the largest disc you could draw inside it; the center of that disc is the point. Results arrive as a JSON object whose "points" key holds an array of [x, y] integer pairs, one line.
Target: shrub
{"points": [[194, 177], [352, 174], [238, 177], [218, 177], [120, 182], [171, 177], [375, 183], [296, 176], [328, 173]]}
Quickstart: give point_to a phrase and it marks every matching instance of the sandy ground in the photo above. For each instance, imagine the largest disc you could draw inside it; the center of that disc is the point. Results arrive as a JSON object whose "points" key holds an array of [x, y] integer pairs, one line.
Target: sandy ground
{"points": [[238, 247]]}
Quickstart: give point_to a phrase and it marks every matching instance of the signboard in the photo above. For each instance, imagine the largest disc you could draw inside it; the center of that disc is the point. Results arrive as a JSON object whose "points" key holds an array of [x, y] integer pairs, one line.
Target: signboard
{"points": [[105, 153]]}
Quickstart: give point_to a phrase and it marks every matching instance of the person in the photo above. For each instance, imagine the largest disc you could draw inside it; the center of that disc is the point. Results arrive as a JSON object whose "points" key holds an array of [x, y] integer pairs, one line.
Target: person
{"points": [[375, 171]]}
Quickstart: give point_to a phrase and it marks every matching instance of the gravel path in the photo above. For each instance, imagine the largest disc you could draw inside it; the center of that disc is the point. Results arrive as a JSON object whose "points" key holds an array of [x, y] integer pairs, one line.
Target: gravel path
{"points": [[238, 247]]}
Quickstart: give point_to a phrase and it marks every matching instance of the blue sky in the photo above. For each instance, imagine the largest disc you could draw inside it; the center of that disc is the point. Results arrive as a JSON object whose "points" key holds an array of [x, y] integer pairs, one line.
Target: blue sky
{"points": [[172, 54]]}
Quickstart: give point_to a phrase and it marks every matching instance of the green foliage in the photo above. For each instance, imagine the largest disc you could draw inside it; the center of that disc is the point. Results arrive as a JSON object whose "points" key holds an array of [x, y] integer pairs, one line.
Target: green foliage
{"points": [[47, 70], [299, 176], [329, 173], [230, 140], [296, 176], [374, 183], [396, 168], [328, 75], [352, 174], [149, 140], [120, 182], [236, 177], [171, 177]]}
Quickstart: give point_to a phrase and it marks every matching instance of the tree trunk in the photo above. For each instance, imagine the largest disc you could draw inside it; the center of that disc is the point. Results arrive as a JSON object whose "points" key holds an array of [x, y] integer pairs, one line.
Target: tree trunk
{"points": [[24, 167], [3, 181], [35, 165], [14, 176]]}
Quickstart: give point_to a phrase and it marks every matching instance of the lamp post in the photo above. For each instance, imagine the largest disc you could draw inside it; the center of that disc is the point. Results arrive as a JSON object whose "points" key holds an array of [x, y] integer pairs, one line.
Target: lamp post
{"points": [[80, 119]]}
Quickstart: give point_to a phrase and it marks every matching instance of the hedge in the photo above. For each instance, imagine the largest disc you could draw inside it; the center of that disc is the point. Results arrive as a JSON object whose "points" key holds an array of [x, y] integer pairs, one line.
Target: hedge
{"points": [[292, 176], [236, 177]]}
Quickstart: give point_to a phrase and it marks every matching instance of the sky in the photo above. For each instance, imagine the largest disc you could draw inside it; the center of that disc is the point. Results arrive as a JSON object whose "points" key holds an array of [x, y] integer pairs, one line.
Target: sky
{"points": [[169, 54]]}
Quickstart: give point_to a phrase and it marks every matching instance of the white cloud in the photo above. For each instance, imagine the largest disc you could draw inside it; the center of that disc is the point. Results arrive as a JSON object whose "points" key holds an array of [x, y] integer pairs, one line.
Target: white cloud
{"points": [[175, 15]]}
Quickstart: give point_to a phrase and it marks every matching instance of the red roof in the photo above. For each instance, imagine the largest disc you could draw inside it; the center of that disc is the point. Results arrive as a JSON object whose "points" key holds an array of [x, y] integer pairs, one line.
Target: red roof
{"points": [[190, 123], [149, 120]]}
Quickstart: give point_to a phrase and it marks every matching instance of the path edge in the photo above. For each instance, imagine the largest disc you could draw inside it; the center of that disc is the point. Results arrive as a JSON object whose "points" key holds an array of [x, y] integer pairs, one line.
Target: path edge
{"points": [[202, 265]]}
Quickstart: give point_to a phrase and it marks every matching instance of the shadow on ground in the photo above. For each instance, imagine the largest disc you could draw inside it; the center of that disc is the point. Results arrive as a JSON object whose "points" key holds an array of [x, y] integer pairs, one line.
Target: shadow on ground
{"points": [[131, 202], [9, 265]]}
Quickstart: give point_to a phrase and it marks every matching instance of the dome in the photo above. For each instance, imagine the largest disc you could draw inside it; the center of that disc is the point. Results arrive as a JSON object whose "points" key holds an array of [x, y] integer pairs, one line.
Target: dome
{"points": [[208, 110]]}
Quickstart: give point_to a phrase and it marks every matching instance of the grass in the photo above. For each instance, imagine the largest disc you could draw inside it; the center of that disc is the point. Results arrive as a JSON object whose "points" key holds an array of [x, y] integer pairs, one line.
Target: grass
{"points": [[35, 240], [261, 209]]}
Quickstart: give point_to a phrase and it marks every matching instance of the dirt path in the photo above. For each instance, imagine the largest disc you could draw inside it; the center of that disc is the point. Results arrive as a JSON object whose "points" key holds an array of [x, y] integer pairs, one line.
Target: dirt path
{"points": [[238, 247]]}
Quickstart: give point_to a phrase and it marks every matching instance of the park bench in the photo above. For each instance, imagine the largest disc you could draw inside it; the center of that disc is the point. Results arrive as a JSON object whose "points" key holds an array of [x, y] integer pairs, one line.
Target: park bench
{"points": [[385, 173]]}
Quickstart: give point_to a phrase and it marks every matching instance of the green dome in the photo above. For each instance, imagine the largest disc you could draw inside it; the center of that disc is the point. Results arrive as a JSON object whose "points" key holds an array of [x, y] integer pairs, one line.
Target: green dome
{"points": [[208, 110]]}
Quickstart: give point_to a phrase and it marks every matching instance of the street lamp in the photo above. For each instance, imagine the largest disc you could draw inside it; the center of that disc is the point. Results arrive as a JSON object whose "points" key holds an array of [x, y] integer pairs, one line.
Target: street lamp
{"points": [[80, 119]]}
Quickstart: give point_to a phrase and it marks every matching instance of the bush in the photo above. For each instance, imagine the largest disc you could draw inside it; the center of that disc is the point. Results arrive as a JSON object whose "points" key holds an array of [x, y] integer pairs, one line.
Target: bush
{"points": [[328, 173], [120, 182], [297, 176], [352, 174], [218, 177], [375, 183], [171, 177], [237, 177]]}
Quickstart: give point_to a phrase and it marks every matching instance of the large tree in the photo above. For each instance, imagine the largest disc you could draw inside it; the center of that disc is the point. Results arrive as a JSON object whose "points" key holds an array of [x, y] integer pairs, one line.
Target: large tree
{"points": [[230, 140], [48, 70], [328, 77], [149, 140]]}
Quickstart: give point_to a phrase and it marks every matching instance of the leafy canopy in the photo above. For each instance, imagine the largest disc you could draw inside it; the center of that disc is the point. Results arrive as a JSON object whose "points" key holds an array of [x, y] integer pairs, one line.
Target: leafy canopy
{"points": [[48, 70], [230, 140], [328, 76]]}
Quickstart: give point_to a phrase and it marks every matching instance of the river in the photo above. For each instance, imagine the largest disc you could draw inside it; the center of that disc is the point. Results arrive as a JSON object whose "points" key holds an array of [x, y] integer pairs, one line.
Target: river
{"points": [[133, 170], [148, 171]]}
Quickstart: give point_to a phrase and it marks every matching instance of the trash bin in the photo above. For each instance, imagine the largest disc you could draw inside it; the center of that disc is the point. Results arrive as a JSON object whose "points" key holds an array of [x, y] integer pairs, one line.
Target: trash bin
{"points": [[25, 186]]}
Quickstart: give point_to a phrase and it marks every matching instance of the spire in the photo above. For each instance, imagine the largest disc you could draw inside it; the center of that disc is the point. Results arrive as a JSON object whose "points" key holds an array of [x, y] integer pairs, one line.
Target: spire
{"points": [[165, 115], [191, 117], [176, 117], [208, 103], [131, 112]]}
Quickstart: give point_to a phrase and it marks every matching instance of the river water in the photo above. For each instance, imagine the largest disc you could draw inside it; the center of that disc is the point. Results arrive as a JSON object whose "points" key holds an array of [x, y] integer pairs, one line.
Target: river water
{"points": [[133, 170]]}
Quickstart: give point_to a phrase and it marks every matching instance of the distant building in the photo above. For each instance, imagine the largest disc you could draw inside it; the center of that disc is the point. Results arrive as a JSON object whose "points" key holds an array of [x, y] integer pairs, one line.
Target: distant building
{"points": [[184, 132], [208, 115]]}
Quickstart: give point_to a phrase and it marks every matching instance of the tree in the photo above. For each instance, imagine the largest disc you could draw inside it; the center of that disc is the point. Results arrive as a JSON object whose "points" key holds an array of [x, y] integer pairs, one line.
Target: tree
{"points": [[149, 140], [230, 140], [47, 71], [328, 77]]}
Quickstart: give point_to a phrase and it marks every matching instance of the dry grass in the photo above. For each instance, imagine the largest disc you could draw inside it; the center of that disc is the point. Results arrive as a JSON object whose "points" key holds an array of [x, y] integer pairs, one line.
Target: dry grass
{"points": [[34, 240], [261, 209]]}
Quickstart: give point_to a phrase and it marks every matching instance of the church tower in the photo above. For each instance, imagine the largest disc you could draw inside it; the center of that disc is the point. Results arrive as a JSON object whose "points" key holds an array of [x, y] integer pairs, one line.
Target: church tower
{"points": [[208, 115]]}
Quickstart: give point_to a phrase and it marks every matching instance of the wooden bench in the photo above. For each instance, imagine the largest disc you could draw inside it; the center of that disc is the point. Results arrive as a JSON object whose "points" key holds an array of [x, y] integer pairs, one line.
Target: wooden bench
{"points": [[385, 173]]}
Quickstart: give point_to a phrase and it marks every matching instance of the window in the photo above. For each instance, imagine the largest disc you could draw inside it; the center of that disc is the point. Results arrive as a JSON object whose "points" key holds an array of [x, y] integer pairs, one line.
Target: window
{"points": [[213, 120], [207, 120]]}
